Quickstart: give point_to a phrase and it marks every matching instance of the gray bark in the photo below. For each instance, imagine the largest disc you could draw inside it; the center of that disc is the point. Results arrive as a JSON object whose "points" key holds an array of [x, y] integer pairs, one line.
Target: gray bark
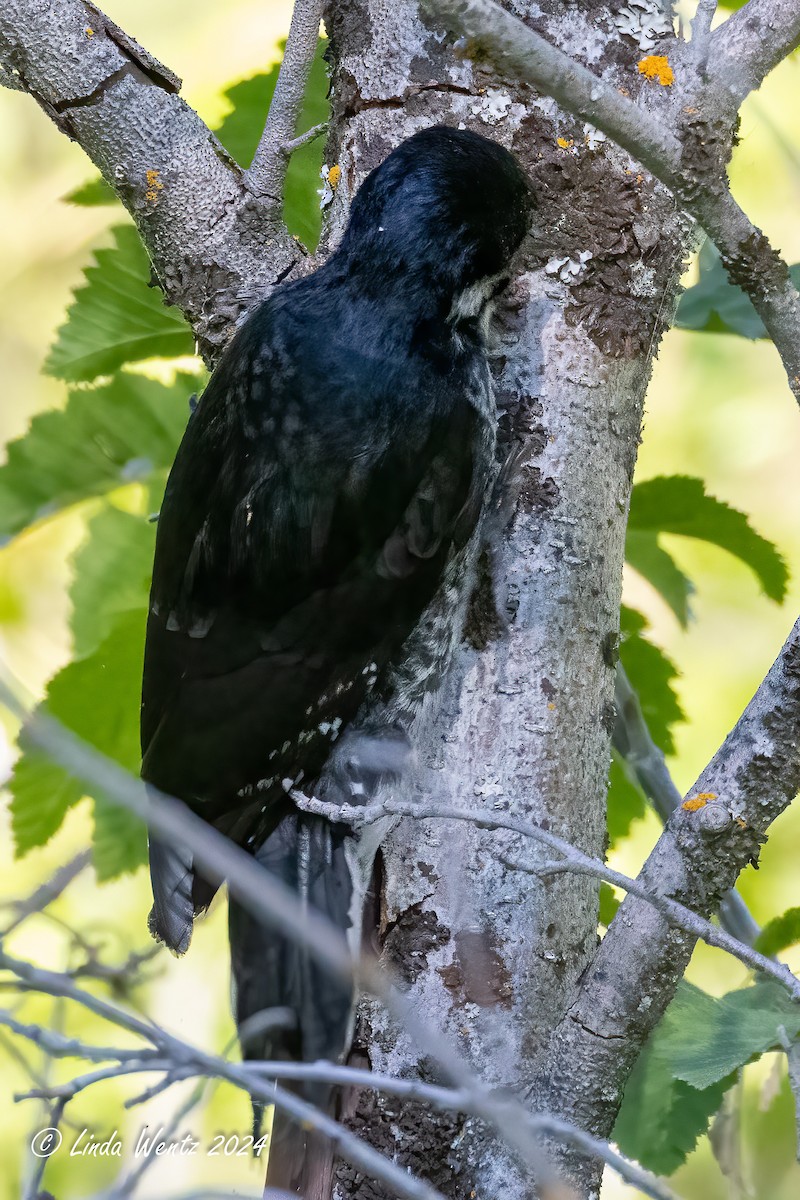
{"points": [[525, 717], [752, 778], [506, 965]]}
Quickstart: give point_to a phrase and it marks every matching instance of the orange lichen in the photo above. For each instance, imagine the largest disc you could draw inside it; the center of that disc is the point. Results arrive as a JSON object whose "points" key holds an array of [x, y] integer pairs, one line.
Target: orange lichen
{"points": [[698, 801], [565, 143], [656, 68], [89, 31], [334, 175], [741, 823], [154, 185]]}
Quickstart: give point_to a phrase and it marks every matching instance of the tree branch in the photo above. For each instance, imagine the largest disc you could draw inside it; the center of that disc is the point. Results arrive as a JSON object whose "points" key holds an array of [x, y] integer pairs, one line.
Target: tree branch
{"points": [[643, 759], [179, 1060], [753, 777], [574, 860], [267, 172], [269, 901], [47, 893], [521, 53], [352, 1148], [211, 240], [692, 167], [752, 41]]}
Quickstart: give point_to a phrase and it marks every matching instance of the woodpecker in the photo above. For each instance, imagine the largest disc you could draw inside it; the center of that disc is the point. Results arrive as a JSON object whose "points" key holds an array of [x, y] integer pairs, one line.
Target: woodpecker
{"points": [[318, 527]]}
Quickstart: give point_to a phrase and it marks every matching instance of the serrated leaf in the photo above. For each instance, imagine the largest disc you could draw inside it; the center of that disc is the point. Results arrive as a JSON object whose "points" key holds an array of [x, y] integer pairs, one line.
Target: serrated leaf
{"points": [[651, 674], [112, 575], [97, 697], [661, 1117], [242, 128], [651, 560], [715, 305], [92, 194], [780, 933], [704, 1039], [678, 504], [41, 798], [105, 437], [119, 844], [116, 317]]}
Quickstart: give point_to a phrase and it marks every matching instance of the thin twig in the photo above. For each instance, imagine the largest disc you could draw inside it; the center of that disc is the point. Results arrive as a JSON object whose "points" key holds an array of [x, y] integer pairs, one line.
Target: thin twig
{"points": [[701, 31], [47, 892], [752, 779], [180, 1053], [33, 1187], [270, 902], [59, 1046], [265, 897], [258, 1077], [574, 860], [268, 169]]}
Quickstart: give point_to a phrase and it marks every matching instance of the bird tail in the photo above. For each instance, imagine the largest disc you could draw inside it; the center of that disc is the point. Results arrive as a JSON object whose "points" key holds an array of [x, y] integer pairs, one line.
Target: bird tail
{"points": [[286, 1006]]}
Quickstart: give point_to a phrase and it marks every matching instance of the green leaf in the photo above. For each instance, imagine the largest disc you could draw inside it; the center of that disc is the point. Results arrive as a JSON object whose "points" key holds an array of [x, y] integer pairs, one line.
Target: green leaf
{"points": [[689, 1063], [678, 504], [715, 305], [651, 674], [242, 128], [96, 697], [780, 933], [661, 1117], [112, 575], [116, 317], [651, 560], [705, 1039], [93, 193], [609, 903], [104, 438], [120, 840], [625, 804], [41, 796]]}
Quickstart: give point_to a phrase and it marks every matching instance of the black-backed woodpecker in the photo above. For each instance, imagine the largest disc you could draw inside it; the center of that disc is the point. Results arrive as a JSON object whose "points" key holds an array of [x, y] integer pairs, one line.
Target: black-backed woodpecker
{"points": [[317, 529]]}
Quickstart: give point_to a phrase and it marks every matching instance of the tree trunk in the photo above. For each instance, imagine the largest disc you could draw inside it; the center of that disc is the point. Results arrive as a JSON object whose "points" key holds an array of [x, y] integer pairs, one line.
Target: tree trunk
{"points": [[523, 722]]}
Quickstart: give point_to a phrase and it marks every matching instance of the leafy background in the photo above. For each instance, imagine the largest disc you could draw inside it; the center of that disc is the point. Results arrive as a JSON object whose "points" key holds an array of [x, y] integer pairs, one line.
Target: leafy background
{"points": [[712, 588]]}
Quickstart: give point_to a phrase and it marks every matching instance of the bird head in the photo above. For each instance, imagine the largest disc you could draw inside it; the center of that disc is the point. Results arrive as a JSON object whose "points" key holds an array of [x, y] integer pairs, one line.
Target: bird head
{"points": [[447, 211]]}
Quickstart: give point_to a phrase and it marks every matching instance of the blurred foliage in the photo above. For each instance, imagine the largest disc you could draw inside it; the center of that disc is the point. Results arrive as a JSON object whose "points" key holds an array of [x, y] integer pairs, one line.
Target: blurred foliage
{"points": [[678, 504], [690, 1061], [239, 134], [105, 437], [85, 478], [715, 305], [780, 933]]}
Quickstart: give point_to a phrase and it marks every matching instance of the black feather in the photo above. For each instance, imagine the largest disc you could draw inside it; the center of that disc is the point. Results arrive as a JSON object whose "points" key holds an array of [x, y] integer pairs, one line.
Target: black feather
{"points": [[329, 480]]}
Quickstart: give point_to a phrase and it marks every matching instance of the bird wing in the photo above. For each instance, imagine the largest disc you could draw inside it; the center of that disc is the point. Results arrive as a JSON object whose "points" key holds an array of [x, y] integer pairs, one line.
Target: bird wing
{"points": [[292, 560]]}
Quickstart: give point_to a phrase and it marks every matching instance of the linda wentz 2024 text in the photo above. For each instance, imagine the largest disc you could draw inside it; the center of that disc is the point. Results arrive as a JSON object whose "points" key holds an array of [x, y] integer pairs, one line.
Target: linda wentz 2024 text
{"points": [[156, 1142]]}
